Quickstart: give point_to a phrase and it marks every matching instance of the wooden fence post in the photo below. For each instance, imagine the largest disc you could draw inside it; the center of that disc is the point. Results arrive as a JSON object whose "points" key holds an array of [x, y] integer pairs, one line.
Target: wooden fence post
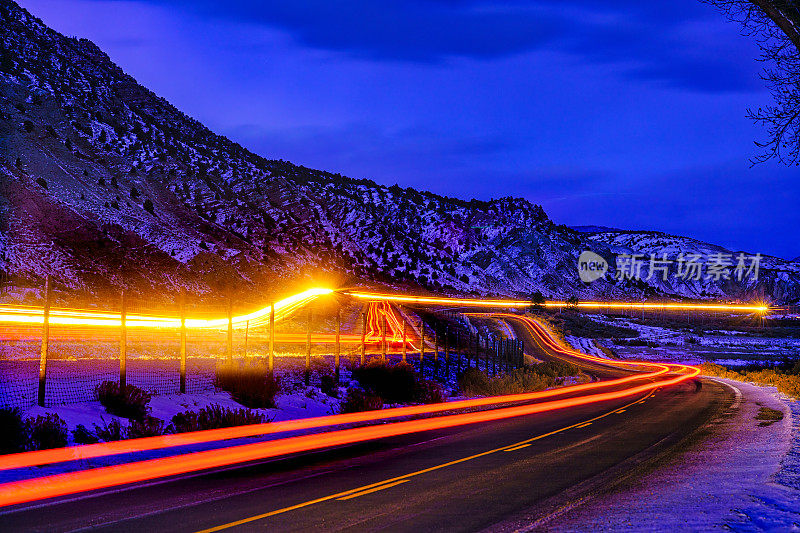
{"points": [[271, 362], [363, 338], [487, 352], [230, 329], [183, 341], [436, 351], [48, 289], [495, 353], [384, 347], [405, 333], [307, 373], [477, 350], [446, 354], [246, 333], [421, 345], [338, 347], [123, 344]]}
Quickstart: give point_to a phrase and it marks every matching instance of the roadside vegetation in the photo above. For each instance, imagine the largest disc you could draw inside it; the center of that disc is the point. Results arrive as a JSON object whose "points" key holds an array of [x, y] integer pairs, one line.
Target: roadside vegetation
{"points": [[128, 402], [474, 382], [50, 431], [382, 382], [35, 433], [768, 327], [785, 378], [249, 384]]}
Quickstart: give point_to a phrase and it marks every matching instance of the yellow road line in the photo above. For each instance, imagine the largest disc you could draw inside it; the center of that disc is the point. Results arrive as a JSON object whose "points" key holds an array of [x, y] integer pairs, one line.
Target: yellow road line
{"points": [[517, 447], [620, 411], [398, 478], [584, 425], [376, 489]]}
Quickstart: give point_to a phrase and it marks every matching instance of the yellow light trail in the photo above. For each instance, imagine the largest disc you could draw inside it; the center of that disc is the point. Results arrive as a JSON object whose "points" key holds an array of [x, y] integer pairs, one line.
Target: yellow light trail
{"points": [[79, 317], [659, 375], [474, 302]]}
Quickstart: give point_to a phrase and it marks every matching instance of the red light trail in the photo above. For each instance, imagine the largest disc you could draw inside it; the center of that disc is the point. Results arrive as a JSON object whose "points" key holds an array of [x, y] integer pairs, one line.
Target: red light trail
{"points": [[655, 375]]}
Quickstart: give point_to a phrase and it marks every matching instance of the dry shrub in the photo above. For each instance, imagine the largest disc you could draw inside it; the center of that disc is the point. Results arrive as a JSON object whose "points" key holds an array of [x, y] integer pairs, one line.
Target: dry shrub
{"points": [[214, 417], [787, 382], [128, 402], [12, 431], [474, 382], [358, 400], [250, 385], [45, 432]]}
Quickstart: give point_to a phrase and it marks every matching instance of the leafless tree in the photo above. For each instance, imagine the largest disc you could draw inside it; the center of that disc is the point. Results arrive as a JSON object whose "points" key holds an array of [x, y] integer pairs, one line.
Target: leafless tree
{"points": [[776, 26]]}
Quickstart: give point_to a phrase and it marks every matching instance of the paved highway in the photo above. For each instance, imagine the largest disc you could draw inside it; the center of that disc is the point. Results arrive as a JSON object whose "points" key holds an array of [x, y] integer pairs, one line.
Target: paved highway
{"points": [[500, 474]]}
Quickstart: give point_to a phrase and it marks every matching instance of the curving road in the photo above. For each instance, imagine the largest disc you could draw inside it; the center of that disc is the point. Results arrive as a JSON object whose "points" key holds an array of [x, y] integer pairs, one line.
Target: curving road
{"points": [[501, 474]]}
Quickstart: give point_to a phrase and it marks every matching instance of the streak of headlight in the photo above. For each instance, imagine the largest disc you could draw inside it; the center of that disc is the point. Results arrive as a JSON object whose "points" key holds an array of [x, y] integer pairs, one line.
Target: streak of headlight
{"points": [[58, 455], [68, 317], [72, 482], [475, 302]]}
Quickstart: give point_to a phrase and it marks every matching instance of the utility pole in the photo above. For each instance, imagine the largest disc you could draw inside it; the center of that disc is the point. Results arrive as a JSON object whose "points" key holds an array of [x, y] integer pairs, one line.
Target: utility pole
{"points": [[48, 290], [123, 345]]}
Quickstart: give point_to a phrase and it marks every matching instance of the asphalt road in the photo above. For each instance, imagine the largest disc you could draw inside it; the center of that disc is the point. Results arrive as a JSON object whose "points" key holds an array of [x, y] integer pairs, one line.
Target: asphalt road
{"points": [[497, 475]]}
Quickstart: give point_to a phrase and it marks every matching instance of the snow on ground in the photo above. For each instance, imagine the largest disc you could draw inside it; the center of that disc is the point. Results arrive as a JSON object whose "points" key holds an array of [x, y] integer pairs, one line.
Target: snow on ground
{"points": [[744, 477], [585, 345], [728, 348], [298, 402]]}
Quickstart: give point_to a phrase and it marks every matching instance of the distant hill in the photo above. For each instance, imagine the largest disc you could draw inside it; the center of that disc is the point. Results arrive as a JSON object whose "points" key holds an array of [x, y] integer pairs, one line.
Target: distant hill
{"points": [[593, 229], [104, 184]]}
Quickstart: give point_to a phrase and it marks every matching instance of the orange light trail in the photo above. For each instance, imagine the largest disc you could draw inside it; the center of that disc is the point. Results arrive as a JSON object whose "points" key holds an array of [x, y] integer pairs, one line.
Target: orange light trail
{"points": [[78, 317], [472, 302], [85, 480], [375, 323], [69, 483], [103, 449]]}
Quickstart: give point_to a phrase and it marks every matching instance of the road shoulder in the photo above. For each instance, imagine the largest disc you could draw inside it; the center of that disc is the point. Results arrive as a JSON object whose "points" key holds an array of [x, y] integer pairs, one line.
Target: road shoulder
{"points": [[743, 476]]}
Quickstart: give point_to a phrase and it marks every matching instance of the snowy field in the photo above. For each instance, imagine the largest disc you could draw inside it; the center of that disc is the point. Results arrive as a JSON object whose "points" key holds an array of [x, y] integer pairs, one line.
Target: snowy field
{"points": [[727, 348]]}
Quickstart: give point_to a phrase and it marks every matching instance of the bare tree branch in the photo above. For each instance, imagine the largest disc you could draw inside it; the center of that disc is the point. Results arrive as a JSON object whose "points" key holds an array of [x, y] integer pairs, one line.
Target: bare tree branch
{"points": [[776, 26]]}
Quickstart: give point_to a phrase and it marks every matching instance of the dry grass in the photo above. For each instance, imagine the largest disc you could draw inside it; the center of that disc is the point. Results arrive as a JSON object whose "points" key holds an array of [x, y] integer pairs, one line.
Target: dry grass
{"points": [[785, 381]]}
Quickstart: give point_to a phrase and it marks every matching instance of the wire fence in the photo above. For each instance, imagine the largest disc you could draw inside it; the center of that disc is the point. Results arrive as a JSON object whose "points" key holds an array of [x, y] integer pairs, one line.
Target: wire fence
{"points": [[65, 363]]}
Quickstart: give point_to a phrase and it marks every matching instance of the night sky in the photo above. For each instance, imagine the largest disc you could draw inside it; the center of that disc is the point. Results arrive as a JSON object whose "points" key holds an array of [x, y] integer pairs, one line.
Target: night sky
{"points": [[627, 114]]}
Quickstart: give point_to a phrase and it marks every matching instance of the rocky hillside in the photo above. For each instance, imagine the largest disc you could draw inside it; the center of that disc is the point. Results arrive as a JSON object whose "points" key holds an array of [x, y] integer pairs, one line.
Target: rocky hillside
{"points": [[104, 184]]}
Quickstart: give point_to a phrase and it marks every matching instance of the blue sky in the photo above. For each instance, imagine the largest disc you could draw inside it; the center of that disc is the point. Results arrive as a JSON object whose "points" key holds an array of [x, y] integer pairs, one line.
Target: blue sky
{"points": [[621, 113]]}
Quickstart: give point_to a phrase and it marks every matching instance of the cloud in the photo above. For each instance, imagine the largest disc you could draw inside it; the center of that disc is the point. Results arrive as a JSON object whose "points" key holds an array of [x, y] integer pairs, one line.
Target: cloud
{"points": [[685, 45], [742, 208]]}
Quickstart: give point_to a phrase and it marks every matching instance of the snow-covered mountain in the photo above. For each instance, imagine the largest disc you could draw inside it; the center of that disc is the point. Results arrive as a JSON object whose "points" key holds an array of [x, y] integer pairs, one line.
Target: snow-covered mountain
{"points": [[777, 278], [103, 184]]}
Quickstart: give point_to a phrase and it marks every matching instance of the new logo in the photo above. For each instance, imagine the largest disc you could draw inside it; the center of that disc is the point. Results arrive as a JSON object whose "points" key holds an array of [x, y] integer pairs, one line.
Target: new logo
{"points": [[591, 266]]}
